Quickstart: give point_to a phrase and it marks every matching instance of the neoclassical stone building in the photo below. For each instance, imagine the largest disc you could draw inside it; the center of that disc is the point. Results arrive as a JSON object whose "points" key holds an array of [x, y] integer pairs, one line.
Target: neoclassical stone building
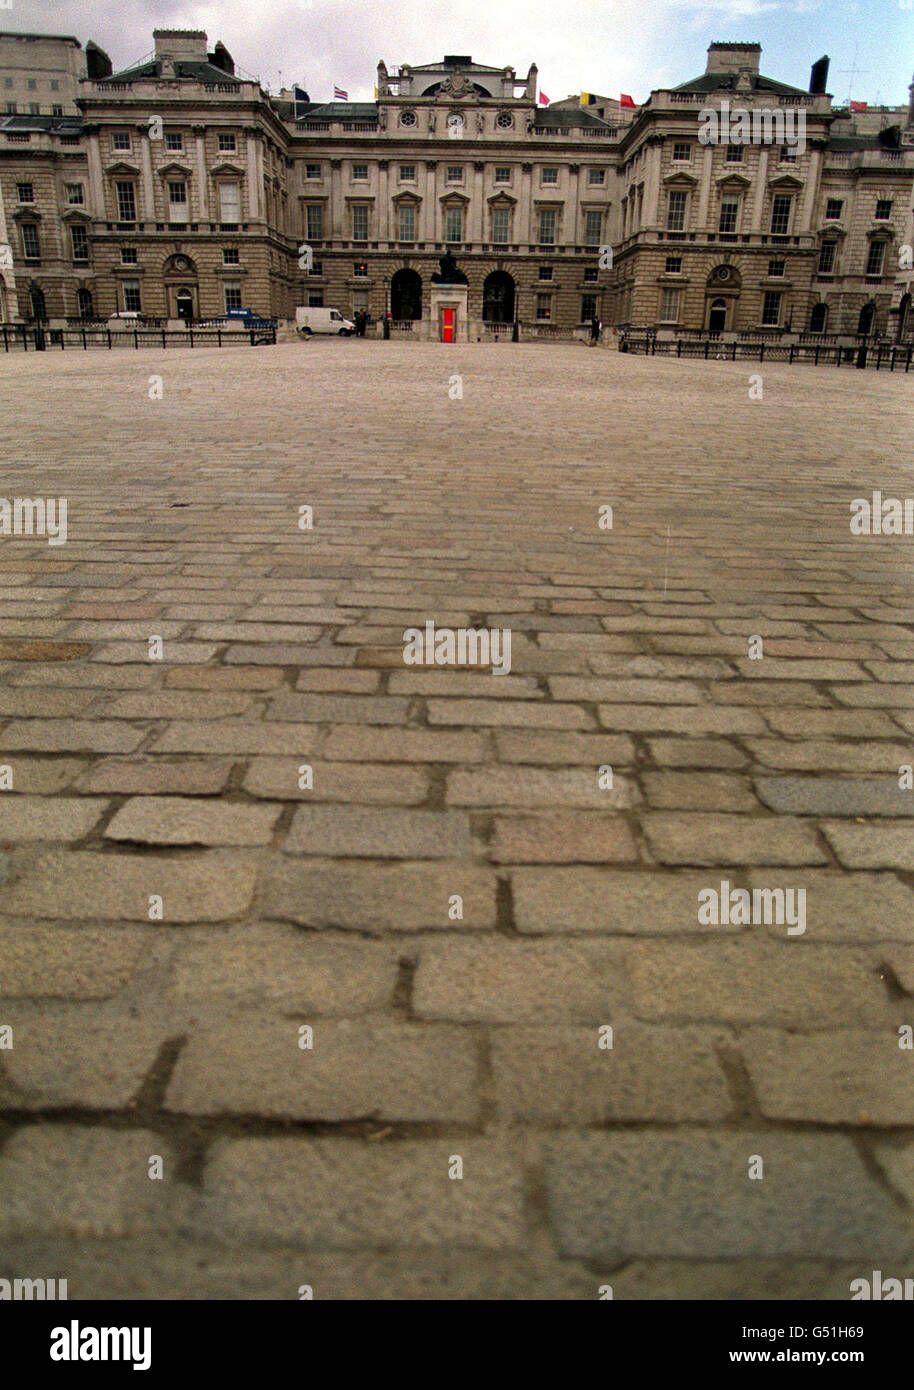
{"points": [[180, 189]]}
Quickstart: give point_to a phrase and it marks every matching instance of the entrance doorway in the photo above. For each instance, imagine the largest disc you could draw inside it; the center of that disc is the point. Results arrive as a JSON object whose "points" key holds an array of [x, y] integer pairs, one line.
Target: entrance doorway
{"points": [[717, 316], [498, 297], [184, 304]]}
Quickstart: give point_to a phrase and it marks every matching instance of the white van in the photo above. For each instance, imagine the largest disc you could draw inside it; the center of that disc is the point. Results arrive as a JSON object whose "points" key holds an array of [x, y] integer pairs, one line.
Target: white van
{"points": [[311, 319]]}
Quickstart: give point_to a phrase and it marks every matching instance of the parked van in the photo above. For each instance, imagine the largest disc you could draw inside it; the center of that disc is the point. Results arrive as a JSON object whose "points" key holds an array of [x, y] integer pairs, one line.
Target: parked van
{"points": [[311, 319]]}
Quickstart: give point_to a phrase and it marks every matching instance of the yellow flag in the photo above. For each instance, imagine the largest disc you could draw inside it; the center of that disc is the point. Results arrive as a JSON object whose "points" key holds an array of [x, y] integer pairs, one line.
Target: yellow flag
{"points": [[585, 98]]}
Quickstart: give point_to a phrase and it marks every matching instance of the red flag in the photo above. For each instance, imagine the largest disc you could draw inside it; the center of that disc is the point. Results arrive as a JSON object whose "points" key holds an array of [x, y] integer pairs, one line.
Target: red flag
{"points": [[626, 100], [544, 100], [858, 105]]}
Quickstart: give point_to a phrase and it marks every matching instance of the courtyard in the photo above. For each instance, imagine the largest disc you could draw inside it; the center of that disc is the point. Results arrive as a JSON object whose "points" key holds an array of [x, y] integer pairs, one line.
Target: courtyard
{"points": [[321, 971]]}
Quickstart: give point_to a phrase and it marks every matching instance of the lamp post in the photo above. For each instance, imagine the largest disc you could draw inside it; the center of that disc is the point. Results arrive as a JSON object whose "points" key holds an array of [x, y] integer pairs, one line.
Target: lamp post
{"points": [[386, 307]]}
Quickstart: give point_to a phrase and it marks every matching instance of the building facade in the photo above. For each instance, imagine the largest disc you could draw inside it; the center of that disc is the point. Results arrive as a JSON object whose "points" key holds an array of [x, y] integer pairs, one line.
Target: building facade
{"points": [[179, 190]]}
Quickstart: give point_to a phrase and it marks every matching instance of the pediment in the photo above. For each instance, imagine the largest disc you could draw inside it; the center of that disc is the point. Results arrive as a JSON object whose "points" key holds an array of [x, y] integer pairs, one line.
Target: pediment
{"points": [[122, 167]]}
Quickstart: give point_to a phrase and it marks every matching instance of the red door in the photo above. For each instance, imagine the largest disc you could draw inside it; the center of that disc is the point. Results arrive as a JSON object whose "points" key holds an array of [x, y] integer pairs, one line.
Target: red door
{"points": [[447, 327]]}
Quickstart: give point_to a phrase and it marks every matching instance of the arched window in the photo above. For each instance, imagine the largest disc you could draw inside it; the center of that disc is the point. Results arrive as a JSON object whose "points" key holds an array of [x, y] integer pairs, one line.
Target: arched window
{"points": [[36, 298], [717, 316], [498, 297], [818, 318], [84, 303], [406, 295], [865, 321]]}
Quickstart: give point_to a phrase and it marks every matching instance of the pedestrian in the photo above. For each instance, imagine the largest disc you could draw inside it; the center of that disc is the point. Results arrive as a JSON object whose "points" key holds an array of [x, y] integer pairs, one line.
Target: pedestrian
{"points": [[594, 330]]}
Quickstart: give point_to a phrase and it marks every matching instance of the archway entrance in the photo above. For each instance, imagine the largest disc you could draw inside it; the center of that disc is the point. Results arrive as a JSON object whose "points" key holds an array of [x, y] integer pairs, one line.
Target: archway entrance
{"points": [[717, 316], [818, 318], [84, 303], [498, 297], [904, 313], [865, 321], [36, 301], [184, 304], [406, 295]]}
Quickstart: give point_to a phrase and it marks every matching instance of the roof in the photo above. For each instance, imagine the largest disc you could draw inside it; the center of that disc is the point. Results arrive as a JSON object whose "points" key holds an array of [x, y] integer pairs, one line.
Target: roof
{"points": [[190, 69], [449, 62], [52, 38], [65, 125], [726, 81], [338, 111], [566, 119]]}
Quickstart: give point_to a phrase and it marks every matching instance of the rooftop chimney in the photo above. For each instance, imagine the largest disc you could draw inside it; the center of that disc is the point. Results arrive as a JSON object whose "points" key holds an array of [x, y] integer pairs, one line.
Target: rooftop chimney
{"points": [[221, 58], [734, 57], [818, 77], [186, 44], [98, 64]]}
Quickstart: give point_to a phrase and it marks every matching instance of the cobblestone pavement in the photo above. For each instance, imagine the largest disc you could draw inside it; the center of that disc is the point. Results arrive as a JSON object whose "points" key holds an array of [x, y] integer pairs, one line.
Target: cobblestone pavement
{"points": [[177, 906]]}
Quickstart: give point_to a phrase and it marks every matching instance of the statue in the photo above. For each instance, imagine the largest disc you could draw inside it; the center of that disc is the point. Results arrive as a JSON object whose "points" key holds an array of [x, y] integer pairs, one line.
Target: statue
{"points": [[450, 273]]}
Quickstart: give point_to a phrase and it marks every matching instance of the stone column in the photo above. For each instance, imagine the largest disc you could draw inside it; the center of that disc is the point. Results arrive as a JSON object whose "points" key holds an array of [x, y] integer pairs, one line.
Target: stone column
{"points": [[477, 232], [761, 188], [202, 189], [254, 173], [148, 212], [336, 200], [809, 192], [96, 179], [524, 230], [383, 201], [430, 208], [570, 227], [704, 191], [652, 181]]}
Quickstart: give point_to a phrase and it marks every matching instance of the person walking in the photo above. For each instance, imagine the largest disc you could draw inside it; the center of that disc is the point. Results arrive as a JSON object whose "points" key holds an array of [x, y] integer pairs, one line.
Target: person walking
{"points": [[594, 331]]}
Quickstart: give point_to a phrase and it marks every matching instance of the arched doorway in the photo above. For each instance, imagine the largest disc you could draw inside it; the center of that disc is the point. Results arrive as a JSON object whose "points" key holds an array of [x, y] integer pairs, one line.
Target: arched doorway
{"points": [[717, 316], [406, 295], [498, 297], [184, 303], [37, 304], [818, 318], [84, 303], [904, 311], [865, 321]]}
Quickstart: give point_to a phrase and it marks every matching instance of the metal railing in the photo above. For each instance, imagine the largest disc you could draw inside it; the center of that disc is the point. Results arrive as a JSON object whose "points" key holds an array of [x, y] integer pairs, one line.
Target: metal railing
{"points": [[21, 337], [881, 356]]}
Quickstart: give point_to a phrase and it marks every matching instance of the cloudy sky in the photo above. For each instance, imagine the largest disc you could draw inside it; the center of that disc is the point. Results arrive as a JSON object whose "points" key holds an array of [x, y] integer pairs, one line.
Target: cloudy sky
{"points": [[605, 46]]}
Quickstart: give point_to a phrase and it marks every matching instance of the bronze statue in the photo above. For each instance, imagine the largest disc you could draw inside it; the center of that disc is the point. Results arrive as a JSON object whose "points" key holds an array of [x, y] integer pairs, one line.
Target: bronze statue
{"points": [[450, 273]]}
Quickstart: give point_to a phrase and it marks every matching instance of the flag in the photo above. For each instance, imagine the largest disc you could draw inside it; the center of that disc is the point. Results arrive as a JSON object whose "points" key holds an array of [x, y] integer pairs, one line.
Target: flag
{"points": [[587, 99], [858, 105], [340, 95], [375, 93], [299, 96], [544, 100], [626, 100]]}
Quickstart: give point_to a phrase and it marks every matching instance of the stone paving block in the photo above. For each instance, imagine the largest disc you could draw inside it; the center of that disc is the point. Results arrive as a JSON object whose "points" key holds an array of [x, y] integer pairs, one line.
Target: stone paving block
{"points": [[277, 654], [534, 787], [698, 837], [79, 1181], [836, 796], [496, 980], [661, 668], [206, 887], [698, 791], [689, 1195], [355, 1069], [81, 962], [898, 1164], [173, 653], [77, 1055], [224, 678], [842, 1077], [871, 846], [523, 714], [696, 752], [384, 745], [70, 736], [840, 907], [829, 755], [41, 776], [379, 897], [45, 704], [177, 704], [562, 837], [876, 696], [338, 709], [349, 1193], [341, 680], [648, 903], [562, 1075], [786, 693], [632, 692], [224, 736], [832, 723], [150, 776], [900, 961], [754, 980], [468, 682], [563, 749], [182, 820], [388, 833], [48, 818], [692, 720], [65, 673], [386, 784]]}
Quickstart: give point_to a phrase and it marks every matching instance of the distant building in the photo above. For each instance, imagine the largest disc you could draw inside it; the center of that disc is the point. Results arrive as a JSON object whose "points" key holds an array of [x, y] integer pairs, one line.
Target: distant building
{"points": [[180, 189]]}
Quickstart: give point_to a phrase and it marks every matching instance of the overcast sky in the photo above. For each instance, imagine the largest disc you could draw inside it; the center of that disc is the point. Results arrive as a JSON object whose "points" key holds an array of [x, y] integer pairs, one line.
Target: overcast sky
{"points": [[604, 46]]}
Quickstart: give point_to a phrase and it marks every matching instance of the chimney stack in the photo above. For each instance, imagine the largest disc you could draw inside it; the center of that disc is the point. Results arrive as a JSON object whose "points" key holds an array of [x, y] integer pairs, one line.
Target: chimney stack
{"points": [[818, 77]]}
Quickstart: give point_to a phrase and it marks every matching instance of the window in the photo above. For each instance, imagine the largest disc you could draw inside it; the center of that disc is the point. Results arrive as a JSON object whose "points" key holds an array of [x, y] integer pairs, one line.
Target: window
{"points": [[593, 228], [729, 212], [501, 225], [682, 153], [453, 224], [776, 268], [550, 176], [771, 308], [360, 172], [316, 299], [734, 154], [80, 242], [883, 209], [544, 306], [121, 140], [818, 318], [407, 173], [875, 257], [230, 255], [407, 222], [591, 275], [833, 209], [312, 171], [32, 84], [455, 173], [504, 120], [177, 200], [30, 247], [596, 176], [827, 257], [408, 118], [360, 268], [68, 139], [131, 293], [25, 193], [230, 202], [502, 173], [15, 138], [317, 268], [588, 307], [314, 222], [232, 296], [34, 108], [75, 194], [788, 154], [676, 209], [174, 140], [673, 265], [226, 142], [545, 272], [547, 226], [780, 214], [54, 85], [669, 305], [11, 108], [360, 222], [128, 255], [126, 201], [56, 110]]}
